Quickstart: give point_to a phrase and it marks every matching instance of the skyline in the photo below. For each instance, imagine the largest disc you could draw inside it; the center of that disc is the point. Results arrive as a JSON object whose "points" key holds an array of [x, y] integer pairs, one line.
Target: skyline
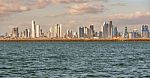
{"points": [[108, 31], [73, 13]]}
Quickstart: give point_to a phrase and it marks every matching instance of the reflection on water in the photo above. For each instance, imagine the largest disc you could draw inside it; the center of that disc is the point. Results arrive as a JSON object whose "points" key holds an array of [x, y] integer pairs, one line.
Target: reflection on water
{"points": [[75, 60]]}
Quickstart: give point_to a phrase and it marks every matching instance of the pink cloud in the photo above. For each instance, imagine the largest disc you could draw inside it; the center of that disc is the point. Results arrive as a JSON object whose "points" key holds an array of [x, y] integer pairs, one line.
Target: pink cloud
{"points": [[131, 18], [85, 8], [136, 15], [18, 6], [68, 1], [41, 4], [13, 6], [74, 1]]}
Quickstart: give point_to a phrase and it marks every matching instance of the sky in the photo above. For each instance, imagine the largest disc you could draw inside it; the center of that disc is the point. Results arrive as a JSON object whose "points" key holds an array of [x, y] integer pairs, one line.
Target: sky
{"points": [[73, 13]]}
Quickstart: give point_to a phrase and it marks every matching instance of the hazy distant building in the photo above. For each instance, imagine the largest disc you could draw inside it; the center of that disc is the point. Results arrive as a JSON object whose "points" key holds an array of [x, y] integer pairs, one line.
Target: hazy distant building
{"points": [[96, 34], [126, 35], [81, 32], [33, 29], [115, 32], [41, 33], [29, 33], [58, 31], [130, 35], [75, 35], [105, 30], [144, 31], [38, 34], [50, 33], [69, 34], [15, 32], [86, 32], [92, 31], [100, 34], [110, 29], [135, 33], [26, 33]]}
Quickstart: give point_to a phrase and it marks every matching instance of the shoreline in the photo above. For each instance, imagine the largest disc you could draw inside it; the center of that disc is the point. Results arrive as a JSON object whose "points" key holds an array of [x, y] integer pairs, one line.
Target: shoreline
{"points": [[75, 40]]}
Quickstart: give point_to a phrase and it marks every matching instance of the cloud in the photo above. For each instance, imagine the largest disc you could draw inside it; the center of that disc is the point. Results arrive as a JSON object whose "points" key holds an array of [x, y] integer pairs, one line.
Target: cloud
{"points": [[81, 9], [136, 15], [85, 9], [119, 4], [14, 6], [68, 1], [40, 4], [131, 18], [74, 1]]}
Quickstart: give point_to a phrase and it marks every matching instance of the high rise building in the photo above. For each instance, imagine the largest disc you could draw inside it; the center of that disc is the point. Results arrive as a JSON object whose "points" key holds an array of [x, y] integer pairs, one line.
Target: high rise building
{"points": [[33, 29], [86, 32], [110, 29], [135, 33], [81, 32], [38, 31], [105, 30], [29, 33], [42, 33], [50, 33], [92, 31], [115, 32], [75, 35], [100, 34], [126, 34], [144, 31], [69, 34], [58, 31], [130, 35], [15, 32], [26, 33]]}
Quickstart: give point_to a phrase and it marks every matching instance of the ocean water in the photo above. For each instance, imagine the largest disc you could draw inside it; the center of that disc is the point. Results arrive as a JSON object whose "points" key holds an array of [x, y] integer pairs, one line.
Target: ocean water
{"points": [[75, 60]]}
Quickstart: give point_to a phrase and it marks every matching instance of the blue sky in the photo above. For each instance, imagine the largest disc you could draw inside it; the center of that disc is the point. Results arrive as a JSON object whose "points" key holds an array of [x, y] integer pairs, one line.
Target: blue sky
{"points": [[73, 13]]}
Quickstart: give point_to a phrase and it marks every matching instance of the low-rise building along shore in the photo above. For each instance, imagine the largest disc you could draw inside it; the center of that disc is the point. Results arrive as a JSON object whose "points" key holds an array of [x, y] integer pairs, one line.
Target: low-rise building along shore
{"points": [[72, 40]]}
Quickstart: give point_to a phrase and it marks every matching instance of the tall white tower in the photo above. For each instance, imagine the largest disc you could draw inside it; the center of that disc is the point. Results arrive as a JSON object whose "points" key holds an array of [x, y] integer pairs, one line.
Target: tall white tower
{"points": [[37, 31], [33, 29], [57, 31]]}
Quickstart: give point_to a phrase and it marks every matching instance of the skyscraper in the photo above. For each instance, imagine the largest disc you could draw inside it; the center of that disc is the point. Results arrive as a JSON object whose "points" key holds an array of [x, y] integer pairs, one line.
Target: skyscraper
{"points": [[15, 32], [110, 29], [69, 34], [100, 34], [81, 32], [135, 33], [115, 32], [92, 32], [126, 34], [144, 31], [37, 31], [33, 29], [26, 33], [57, 31], [105, 30], [29, 33], [86, 32], [50, 33]]}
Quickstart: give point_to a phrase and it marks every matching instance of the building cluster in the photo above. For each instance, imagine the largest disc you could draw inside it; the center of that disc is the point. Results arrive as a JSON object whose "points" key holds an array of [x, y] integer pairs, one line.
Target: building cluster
{"points": [[108, 30], [136, 34]]}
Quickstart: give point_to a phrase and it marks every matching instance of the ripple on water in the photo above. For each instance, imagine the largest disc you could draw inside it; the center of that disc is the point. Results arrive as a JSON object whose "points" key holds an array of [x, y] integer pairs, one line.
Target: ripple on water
{"points": [[75, 60]]}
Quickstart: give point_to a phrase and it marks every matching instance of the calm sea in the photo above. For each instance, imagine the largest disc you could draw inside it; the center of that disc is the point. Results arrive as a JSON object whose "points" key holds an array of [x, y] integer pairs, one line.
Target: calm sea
{"points": [[75, 60]]}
